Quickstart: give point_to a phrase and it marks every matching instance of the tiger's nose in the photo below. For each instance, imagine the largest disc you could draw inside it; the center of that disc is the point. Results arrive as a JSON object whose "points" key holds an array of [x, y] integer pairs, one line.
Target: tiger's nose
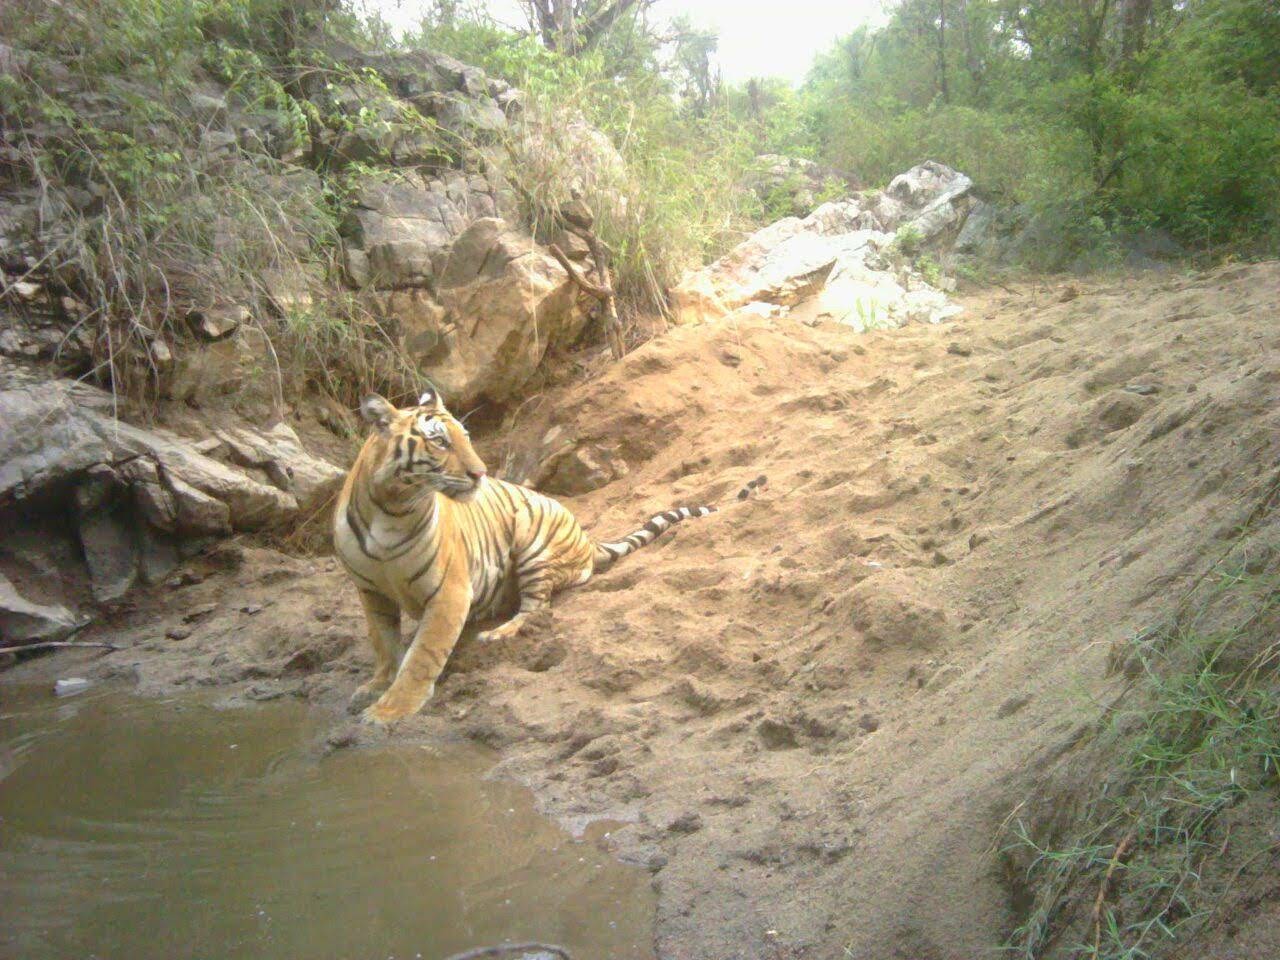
{"points": [[476, 475]]}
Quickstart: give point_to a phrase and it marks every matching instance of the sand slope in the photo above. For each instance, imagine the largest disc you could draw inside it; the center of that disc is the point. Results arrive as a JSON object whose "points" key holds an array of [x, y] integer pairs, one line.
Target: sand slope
{"points": [[813, 710]]}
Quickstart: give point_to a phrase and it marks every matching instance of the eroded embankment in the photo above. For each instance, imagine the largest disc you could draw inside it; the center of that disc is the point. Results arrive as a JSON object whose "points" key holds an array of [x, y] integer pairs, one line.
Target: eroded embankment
{"points": [[817, 708]]}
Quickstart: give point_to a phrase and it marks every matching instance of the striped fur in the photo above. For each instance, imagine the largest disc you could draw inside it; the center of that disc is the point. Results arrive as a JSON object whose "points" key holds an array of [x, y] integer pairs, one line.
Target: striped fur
{"points": [[422, 530]]}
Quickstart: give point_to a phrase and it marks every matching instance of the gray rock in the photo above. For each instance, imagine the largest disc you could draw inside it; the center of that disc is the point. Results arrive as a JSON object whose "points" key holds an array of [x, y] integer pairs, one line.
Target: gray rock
{"points": [[57, 430], [828, 265], [110, 550], [278, 452], [70, 686], [978, 234], [24, 621]]}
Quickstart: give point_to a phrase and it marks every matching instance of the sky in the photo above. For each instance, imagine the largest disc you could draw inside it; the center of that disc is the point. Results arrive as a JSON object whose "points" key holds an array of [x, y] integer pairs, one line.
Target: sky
{"points": [[777, 38]]}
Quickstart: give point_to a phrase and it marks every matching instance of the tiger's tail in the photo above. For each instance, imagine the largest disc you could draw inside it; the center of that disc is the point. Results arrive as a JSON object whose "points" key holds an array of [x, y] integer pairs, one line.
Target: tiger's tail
{"points": [[610, 552]]}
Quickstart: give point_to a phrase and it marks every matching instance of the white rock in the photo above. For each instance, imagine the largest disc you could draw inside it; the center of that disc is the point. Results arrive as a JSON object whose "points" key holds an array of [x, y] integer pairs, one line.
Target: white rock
{"points": [[70, 686]]}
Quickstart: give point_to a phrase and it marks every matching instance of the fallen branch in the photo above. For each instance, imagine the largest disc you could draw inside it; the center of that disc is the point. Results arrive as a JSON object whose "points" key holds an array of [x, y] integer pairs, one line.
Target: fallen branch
{"points": [[50, 644], [506, 948], [594, 289]]}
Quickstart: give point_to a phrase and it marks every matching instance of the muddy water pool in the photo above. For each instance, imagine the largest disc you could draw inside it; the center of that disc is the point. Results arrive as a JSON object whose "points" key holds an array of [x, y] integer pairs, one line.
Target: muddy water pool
{"points": [[137, 828]]}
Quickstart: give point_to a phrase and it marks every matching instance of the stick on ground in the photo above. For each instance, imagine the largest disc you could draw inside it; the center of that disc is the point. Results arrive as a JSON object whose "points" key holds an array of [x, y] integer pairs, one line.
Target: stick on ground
{"points": [[505, 949]]}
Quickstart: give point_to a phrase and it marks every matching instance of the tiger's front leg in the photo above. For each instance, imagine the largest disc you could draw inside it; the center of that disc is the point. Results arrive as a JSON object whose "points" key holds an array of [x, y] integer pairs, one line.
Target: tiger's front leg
{"points": [[434, 640], [383, 618]]}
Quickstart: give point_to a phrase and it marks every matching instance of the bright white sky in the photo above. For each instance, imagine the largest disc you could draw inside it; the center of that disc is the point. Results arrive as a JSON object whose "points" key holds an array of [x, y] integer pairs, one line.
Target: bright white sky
{"points": [[770, 38]]}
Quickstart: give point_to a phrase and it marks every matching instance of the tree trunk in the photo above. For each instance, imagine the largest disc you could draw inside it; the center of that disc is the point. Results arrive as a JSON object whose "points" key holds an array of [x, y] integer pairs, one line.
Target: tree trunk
{"points": [[942, 51], [1135, 15]]}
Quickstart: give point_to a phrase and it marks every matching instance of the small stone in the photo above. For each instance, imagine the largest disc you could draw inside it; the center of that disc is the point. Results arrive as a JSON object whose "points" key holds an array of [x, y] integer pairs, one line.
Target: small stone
{"points": [[178, 633], [199, 613], [1142, 389], [1069, 293], [324, 616], [25, 291], [868, 723], [346, 737], [959, 349], [217, 322], [186, 578], [251, 608], [70, 686]]}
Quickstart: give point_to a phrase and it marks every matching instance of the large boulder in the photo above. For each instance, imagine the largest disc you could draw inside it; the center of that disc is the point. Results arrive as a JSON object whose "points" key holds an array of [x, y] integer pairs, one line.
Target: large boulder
{"points": [[399, 228], [500, 303], [24, 621], [833, 264], [132, 499], [928, 201]]}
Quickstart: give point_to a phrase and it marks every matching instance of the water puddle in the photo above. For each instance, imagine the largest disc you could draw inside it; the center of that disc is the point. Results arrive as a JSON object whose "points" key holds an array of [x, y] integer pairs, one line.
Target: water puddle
{"points": [[139, 829]]}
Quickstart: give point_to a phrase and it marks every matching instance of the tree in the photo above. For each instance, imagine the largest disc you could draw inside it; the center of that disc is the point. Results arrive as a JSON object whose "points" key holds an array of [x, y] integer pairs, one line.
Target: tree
{"points": [[574, 26]]}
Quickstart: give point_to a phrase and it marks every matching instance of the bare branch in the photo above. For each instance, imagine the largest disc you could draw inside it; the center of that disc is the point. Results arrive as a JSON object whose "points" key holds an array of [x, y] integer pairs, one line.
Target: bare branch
{"points": [[52, 644], [595, 290]]}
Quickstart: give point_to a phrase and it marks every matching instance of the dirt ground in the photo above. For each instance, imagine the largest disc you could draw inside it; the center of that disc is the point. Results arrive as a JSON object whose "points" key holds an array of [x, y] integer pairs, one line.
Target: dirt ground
{"points": [[814, 710]]}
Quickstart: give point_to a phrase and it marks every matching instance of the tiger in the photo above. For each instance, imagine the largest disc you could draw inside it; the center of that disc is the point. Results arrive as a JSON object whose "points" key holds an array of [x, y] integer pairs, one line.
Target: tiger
{"points": [[422, 529]]}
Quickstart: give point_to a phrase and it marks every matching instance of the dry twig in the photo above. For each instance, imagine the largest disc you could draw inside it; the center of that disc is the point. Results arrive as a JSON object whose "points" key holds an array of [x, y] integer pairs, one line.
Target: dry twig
{"points": [[1122, 848], [52, 644]]}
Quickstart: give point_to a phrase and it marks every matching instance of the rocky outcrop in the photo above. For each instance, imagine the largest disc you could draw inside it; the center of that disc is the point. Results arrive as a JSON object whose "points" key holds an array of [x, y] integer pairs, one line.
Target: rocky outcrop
{"points": [[469, 297], [80, 488], [792, 186], [837, 263]]}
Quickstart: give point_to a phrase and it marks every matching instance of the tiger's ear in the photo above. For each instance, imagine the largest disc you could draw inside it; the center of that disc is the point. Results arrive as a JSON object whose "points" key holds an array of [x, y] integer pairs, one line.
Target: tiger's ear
{"points": [[378, 412], [431, 397]]}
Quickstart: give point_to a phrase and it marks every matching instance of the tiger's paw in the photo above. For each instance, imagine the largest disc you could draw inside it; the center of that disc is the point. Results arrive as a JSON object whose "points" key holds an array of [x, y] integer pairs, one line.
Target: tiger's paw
{"points": [[365, 695], [503, 632], [389, 709]]}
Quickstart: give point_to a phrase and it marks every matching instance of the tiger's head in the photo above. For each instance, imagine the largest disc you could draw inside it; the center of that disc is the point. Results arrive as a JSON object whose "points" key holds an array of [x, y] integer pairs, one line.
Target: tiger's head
{"points": [[422, 448]]}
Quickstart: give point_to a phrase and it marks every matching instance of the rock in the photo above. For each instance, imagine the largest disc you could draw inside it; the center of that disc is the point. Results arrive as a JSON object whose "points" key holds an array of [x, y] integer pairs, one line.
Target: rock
{"points": [[828, 265], [57, 430], [397, 228], [580, 470], [977, 235], [791, 185], [509, 304], [927, 200], [217, 321], [178, 633], [110, 550], [201, 612], [279, 453], [70, 686], [868, 723], [23, 621], [235, 365], [461, 115], [208, 109]]}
